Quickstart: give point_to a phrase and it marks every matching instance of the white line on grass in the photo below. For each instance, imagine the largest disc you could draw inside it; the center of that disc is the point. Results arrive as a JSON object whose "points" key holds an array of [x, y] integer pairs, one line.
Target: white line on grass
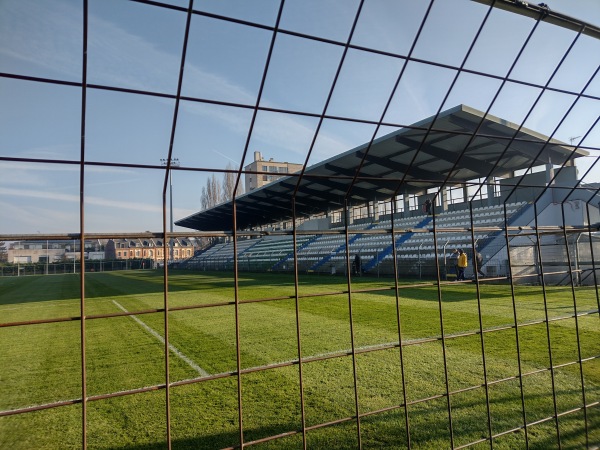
{"points": [[388, 345], [174, 349], [203, 373]]}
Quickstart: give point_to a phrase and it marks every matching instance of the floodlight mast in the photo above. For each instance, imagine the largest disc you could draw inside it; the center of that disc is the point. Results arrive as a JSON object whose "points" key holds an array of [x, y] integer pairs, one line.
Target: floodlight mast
{"points": [[174, 163]]}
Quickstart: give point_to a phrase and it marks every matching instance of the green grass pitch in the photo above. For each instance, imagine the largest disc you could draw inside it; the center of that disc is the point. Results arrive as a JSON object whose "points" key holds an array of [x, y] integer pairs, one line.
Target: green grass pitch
{"points": [[41, 363]]}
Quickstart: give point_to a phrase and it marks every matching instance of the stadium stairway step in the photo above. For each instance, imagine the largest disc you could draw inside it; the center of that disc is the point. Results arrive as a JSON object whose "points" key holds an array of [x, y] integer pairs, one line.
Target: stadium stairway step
{"points": [[248, 248], [487, 241], [327, 258], [291, 254], [390, 248]]}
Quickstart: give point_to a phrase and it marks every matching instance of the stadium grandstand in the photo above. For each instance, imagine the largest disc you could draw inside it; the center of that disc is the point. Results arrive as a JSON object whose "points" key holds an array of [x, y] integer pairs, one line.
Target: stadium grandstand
{"points": [[429, 160]]}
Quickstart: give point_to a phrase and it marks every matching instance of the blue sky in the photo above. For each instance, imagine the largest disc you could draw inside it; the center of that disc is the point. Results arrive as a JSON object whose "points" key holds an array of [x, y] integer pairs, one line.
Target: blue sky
{"points": [[136, 46]]}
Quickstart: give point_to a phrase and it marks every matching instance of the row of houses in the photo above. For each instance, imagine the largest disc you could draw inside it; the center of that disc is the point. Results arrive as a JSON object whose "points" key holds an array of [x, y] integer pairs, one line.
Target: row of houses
{"points": [[51, 251], [178, 249]]}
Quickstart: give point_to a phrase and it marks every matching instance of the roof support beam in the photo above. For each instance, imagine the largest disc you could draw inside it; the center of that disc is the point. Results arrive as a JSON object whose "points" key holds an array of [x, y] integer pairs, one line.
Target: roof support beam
{"points": [[363, 193], [527, 149], [467, 162], [413, 171]]}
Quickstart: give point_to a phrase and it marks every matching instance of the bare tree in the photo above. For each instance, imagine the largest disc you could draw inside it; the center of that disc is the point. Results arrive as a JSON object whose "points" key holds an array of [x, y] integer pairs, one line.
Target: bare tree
{"points": [[204, 199], [229, 179], [212, 193]]}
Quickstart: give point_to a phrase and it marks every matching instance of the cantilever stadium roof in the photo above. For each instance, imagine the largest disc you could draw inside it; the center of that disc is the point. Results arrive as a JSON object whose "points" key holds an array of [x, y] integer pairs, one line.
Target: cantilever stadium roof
{"points": [[460, 145]]}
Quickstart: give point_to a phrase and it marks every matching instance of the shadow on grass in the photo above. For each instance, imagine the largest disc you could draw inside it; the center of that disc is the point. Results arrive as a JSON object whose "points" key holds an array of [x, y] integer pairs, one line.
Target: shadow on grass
{"points": [[450, 293], [429, 429], [39, 288], [15, 290], [336, 437]]}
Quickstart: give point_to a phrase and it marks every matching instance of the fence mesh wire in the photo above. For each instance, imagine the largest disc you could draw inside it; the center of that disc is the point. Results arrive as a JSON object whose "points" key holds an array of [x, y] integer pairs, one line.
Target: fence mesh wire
{"points": [[538, 232]]}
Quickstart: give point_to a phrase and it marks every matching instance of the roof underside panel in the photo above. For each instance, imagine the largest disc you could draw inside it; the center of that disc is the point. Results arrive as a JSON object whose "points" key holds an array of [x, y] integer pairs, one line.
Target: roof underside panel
{"points": [[460, 145]]}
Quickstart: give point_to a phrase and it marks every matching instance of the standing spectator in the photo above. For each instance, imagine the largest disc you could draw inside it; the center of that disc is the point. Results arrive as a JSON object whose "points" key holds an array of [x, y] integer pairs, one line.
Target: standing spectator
{"points": [[428, 207], [454, 261], [462, 265], [357, 264], [478, 258]]}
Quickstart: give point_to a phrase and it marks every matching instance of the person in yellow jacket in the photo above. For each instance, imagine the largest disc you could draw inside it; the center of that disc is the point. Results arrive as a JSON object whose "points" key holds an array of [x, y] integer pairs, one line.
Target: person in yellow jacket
{"points": [[461, 264]]}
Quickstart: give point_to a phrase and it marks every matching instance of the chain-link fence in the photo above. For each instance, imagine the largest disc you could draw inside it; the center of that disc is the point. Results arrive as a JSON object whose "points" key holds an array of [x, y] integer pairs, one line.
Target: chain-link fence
{"points": [[333, 307]]}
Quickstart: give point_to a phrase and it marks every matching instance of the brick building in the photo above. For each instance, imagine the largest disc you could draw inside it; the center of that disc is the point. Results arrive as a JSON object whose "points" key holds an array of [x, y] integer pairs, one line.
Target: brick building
{"points": [[272, 170], [153, 249]]}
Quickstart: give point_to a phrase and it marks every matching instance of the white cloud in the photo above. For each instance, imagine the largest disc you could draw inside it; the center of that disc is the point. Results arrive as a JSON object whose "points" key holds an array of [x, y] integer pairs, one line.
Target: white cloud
{"points": [[220, 87], [73, 198], [48, 35], [285, 131], [117, 56], [41, 195], [55, 152], [45, 34], [10, 166], [17, 219]]}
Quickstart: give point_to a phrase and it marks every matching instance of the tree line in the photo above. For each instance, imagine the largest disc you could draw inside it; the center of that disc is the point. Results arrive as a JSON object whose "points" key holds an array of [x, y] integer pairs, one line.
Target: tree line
{"points": [[3, 252], [218, 191]]}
